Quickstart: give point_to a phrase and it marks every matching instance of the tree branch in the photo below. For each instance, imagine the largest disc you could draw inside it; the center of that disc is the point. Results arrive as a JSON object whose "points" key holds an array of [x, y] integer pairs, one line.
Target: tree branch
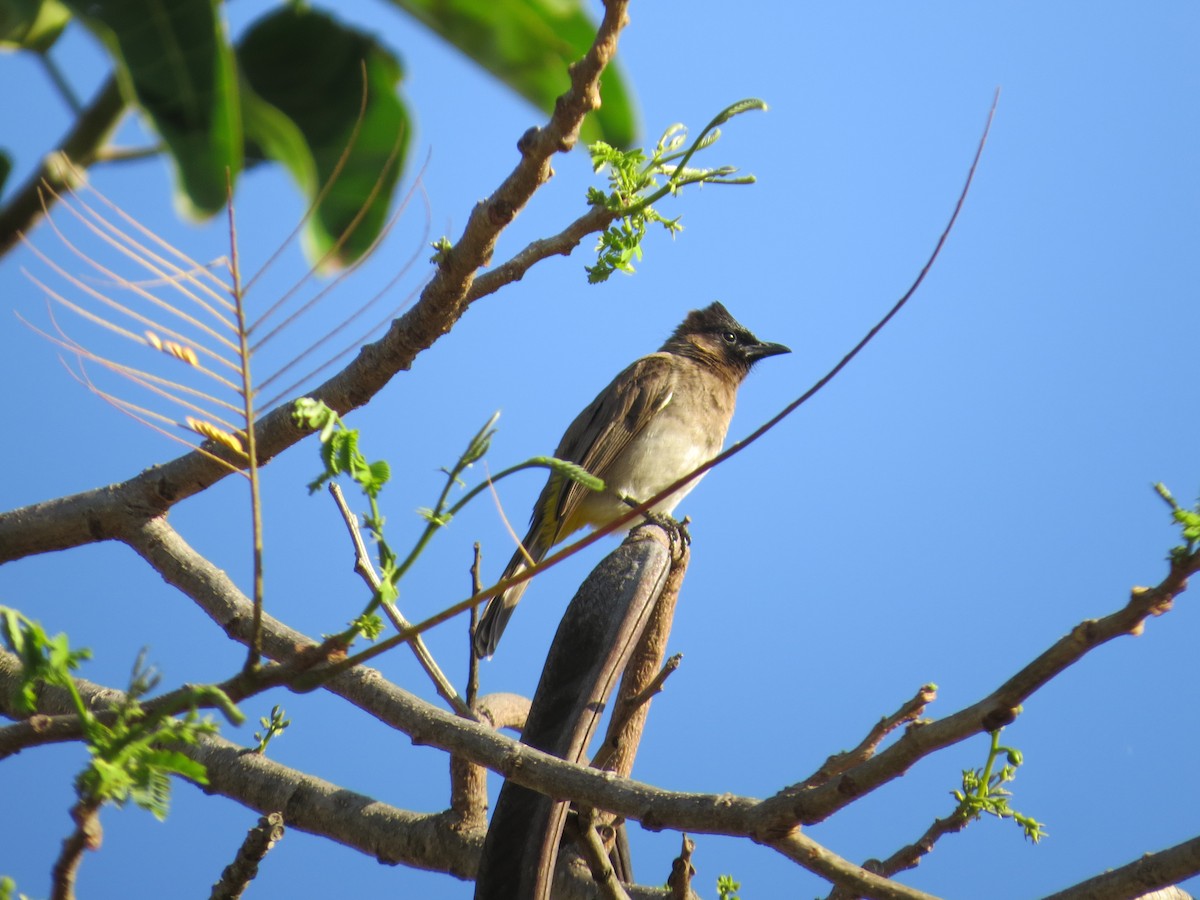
{"points": [[910, 712], [364, 567], [697, 813], [244, 869], [653, 807], [798, 805], [80, 148], [909, 857], [1147, 873], [86, 835], [111, 512]]}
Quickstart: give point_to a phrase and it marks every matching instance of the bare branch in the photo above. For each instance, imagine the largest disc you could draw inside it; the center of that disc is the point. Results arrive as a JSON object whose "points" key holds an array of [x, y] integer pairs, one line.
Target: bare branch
{"points": [[383, 832], [364, 567], [909, 857], [1147, 873], [244, 868], [86, 835], [682, 870], [911, 711], [107, 513], [562, 244], [768, 821], [797, 805]]}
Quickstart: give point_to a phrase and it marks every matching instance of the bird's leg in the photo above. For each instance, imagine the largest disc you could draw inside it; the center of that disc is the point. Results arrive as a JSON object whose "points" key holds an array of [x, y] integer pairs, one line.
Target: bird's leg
{"points": [[676, 530]]}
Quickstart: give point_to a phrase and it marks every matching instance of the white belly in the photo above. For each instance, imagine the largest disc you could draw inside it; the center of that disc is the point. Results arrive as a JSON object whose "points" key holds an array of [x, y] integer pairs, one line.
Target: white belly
{"points": [[664, 451]]}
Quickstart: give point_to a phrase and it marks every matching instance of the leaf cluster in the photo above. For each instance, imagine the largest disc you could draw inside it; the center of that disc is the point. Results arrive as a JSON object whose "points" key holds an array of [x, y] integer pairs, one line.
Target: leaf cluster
{"points": [[272, 726], [302, 89], [340, 455], [634, 185], [1188, 521], [133, 752], [981, 790], [339, 449], [8, 889]]}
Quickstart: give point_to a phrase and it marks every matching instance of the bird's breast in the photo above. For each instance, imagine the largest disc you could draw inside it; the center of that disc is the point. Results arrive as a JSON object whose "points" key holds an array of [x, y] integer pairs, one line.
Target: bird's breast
{"points": [[687, 432]]}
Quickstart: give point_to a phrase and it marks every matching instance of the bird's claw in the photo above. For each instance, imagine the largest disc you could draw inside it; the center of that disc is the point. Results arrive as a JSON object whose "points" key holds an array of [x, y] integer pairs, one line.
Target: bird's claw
{"points": [[676, 531]]}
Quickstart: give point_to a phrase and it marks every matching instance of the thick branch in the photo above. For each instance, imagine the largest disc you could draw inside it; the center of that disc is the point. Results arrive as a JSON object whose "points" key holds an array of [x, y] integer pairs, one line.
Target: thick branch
{"points": [[111, 512], [654, 808], [698, 813]]}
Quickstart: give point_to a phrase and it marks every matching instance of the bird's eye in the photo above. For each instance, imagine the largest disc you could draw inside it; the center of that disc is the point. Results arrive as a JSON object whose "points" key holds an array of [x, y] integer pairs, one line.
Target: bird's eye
{"points": [[729, 337]]}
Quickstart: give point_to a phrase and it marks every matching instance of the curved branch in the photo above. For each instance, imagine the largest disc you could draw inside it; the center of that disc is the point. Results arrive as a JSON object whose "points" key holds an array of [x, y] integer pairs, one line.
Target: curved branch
{"points": [[771, 822], [796, 805], [765, 820], [387, 833], [108, 513], [768, 821]]}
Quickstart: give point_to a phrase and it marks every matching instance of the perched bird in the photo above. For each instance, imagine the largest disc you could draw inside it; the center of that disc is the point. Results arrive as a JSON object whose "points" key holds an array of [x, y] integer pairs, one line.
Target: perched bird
{"points": [[657, 421]]}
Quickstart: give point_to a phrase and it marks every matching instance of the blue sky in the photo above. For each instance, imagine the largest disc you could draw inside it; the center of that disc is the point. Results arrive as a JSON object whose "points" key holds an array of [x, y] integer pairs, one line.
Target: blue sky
{"points": [[971, 488]]}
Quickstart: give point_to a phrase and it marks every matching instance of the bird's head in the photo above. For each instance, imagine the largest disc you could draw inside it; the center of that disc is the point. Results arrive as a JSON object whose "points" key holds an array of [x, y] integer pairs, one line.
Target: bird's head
{"points": [[711, 335]]}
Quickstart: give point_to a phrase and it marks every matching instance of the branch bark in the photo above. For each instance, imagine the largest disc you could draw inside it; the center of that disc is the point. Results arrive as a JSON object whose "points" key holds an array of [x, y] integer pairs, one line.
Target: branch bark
{"points": [[111, 512]]}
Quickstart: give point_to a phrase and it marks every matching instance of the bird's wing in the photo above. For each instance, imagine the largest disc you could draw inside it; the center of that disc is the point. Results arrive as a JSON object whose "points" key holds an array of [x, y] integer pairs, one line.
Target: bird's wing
{"points": [[610, 422]]}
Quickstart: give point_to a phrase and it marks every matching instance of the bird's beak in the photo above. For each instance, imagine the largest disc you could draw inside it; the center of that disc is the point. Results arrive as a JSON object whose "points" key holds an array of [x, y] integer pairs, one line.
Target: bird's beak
{"points": [[762, 349]]}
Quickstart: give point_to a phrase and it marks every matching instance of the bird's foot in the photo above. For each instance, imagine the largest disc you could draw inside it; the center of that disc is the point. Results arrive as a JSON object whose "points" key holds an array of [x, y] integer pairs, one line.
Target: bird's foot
{"points": [[676, 531]]}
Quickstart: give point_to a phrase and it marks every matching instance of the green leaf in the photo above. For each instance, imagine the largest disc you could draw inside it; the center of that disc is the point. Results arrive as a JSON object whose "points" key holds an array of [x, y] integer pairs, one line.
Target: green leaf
{"points": [[528, 44], [310, 67], [380, 472], [176, 763], [31, 25], [271, 135], [573, 471], [172, 59]]}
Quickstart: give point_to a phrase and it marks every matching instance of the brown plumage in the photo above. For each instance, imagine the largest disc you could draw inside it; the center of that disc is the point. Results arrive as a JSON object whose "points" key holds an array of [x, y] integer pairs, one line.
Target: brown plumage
{"points": [[658, 420]]}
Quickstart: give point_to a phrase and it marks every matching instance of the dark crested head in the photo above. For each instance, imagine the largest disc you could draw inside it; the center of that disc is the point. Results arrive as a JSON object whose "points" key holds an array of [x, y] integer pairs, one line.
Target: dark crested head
{"points": [[712, 335]]}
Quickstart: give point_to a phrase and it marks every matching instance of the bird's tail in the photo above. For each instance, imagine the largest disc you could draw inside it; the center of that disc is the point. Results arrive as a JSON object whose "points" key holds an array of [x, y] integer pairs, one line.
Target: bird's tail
{"points": [[500, 608]]}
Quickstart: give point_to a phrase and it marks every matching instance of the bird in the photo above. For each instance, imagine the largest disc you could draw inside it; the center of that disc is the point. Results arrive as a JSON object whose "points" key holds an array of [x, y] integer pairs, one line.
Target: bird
{"points": [[659, 419]]}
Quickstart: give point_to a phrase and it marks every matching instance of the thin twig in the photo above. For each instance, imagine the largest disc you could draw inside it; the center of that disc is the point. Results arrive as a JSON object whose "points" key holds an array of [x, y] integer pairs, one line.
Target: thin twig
{"points": [[254, 651], [472, 659], [59, 80], [635, 512], [86, 835], [682, 870], [909, 857], [835, 765], [366, 570], [625, 712], [587, 838]]}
